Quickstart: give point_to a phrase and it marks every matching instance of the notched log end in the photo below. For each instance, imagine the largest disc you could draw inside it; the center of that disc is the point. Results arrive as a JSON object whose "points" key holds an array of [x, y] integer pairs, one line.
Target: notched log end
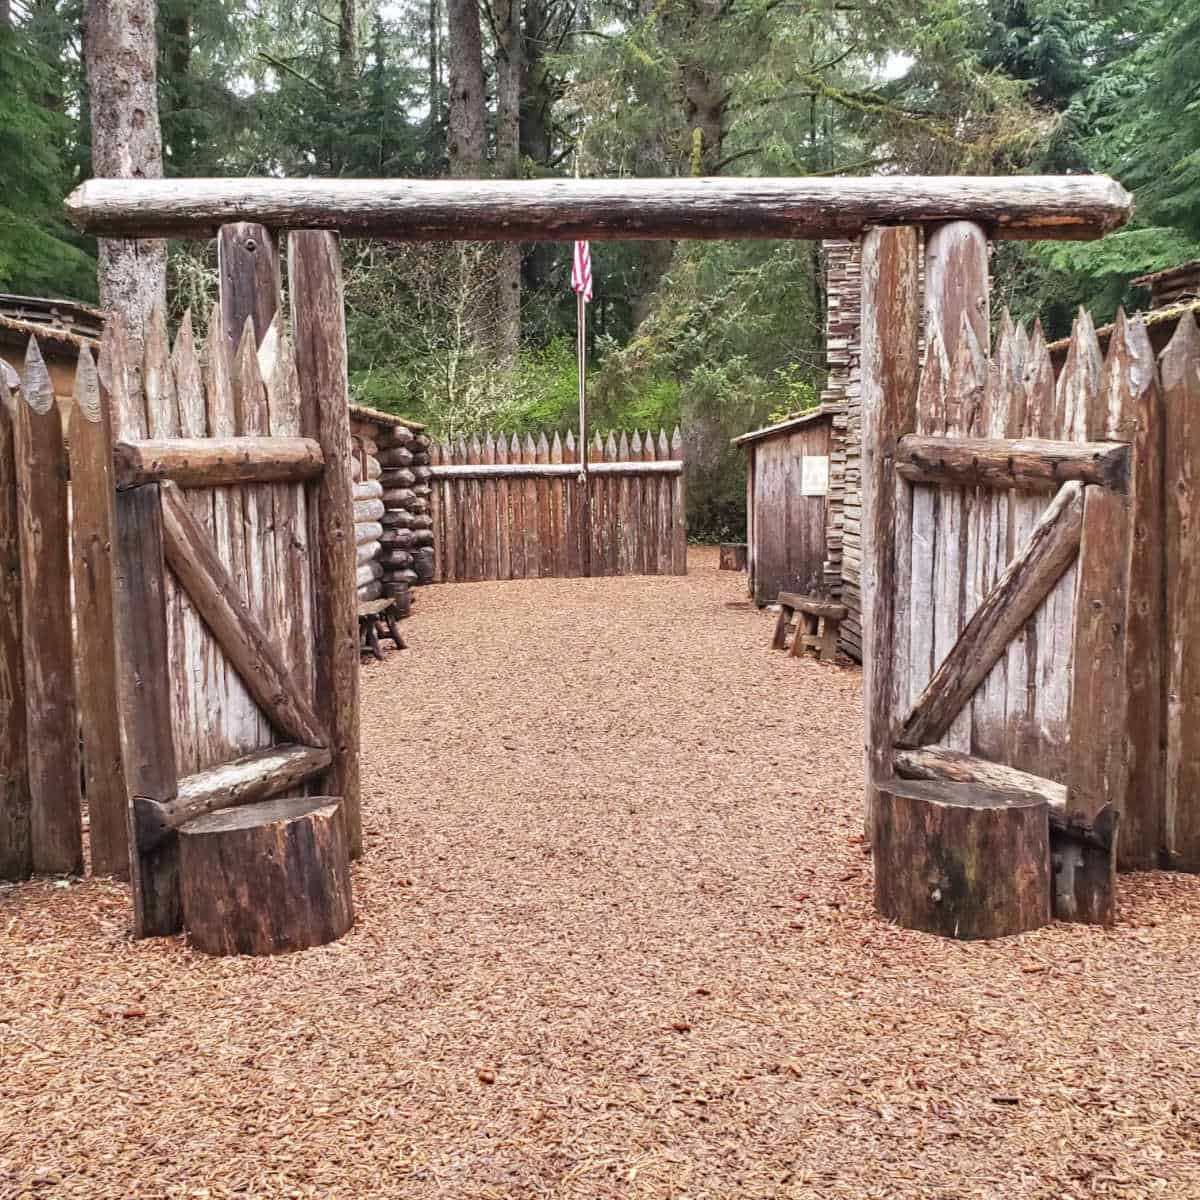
{"points": [[150, 823]]}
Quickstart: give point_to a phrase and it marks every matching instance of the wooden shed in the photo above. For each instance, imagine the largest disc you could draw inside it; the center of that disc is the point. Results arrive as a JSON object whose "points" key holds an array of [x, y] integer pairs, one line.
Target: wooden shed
{"points": [[787, 507]]}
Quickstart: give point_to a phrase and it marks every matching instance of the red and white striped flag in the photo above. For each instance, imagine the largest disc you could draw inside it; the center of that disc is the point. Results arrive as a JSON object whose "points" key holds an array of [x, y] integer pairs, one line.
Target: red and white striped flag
{"points": [[581, 271]]}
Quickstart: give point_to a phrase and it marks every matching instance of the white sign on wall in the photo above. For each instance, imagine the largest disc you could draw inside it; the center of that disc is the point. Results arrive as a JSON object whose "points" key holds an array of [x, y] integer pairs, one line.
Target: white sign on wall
{"points": [[814, 475]]}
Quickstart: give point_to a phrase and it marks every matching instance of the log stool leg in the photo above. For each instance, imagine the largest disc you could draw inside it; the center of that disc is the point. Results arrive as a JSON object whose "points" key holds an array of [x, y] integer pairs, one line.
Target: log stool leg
{"points": [[806, 628], [827, 643], [779, 641], [266, 878], [394, 630], [373, 641], [961, 860]]}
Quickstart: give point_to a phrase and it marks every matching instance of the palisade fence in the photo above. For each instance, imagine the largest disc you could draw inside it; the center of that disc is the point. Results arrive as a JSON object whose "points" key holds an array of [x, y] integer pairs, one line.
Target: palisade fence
{"points": [[513, 509]]}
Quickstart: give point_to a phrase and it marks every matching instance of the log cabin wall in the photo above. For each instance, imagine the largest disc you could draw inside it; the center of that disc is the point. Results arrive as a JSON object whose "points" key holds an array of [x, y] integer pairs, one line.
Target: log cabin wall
{"points": [[843, 393], [392, 526], [788, 468]]}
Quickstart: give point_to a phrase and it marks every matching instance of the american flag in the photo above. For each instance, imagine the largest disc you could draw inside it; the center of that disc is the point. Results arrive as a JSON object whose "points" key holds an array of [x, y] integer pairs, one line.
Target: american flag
{"points": [[581, 271]]}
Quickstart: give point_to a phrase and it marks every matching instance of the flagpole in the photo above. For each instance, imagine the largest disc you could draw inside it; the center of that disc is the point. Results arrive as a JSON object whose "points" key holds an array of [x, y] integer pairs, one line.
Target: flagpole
{"points": [[584, 478]]}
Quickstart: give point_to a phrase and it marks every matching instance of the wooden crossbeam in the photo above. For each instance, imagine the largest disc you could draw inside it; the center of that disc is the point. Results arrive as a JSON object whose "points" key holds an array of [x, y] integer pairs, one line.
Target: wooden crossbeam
{"points": [[553, 470], [255, 776], [214, 462], [193, 558], [1023, 206], [1051, 548], [1025, 463]]}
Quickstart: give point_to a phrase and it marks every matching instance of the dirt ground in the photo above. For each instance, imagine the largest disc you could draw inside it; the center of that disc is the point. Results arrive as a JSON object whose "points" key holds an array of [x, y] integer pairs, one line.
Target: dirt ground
{"points": [[614, 938]]}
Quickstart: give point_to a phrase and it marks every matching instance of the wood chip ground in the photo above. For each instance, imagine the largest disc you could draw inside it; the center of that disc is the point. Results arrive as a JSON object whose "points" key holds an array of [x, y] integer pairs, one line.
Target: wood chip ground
{"points": [[614, 939]]}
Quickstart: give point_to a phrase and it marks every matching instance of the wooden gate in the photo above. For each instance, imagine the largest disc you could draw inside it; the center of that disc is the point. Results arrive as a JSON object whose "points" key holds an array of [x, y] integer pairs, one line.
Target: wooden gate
{"points": [[228, 493], [1006, 591]]}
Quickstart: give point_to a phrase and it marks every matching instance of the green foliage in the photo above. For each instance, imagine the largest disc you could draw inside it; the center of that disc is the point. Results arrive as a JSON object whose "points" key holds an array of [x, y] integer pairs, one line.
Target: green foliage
{"points": [[37, 253]]}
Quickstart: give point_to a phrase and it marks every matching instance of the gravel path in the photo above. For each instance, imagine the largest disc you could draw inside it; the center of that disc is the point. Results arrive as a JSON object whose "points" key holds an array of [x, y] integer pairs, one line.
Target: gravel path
{"points": [[614, 939]]}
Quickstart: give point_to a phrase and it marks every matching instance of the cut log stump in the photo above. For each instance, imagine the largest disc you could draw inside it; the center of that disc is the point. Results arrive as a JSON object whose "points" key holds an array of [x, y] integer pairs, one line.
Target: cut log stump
{"points": [[733, 556], [961, 860], [266, 878]]}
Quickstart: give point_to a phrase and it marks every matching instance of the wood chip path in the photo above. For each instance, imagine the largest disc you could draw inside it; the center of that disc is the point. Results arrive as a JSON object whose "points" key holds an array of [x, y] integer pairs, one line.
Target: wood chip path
{"points": [[614, 939]]}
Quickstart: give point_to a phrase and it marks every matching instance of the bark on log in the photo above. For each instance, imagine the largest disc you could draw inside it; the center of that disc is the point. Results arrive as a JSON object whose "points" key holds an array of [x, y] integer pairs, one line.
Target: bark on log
{"points": [[52, 731], [1025, 206], [255, 776], [266, 878], [215, 462], [16, 851], [1012, 463], [961, 860], [397, 477]]}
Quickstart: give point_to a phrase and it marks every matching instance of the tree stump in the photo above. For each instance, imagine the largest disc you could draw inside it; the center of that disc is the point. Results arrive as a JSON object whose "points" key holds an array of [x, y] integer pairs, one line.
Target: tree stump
{"points": [[961, 860], [266, 878], [733, 556]]}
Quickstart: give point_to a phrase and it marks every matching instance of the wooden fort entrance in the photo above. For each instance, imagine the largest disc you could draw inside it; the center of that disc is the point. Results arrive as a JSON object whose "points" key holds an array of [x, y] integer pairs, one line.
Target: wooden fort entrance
{"points": [[920, 685]]}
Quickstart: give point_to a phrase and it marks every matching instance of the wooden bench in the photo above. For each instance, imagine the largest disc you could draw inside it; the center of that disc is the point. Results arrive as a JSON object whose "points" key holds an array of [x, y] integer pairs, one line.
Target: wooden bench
{"points": [[374, 615], [816, 627]]}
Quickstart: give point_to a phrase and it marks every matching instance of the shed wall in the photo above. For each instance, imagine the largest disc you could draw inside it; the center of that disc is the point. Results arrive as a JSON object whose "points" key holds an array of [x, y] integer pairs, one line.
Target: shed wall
{"points": [[789, 529]]}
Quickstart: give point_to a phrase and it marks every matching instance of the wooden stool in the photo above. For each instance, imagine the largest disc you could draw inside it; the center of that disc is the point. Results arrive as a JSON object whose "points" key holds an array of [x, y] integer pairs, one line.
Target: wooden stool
{"points": [[816, 628], [376, 619], [733, 556], [267, 877]]}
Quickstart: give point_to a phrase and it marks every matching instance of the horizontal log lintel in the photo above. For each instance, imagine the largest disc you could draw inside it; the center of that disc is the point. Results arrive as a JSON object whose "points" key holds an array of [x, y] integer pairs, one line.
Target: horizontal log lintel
{"points": [[255, 776], [546, 210], [554, 470], [1023, 463], [215, 462]]}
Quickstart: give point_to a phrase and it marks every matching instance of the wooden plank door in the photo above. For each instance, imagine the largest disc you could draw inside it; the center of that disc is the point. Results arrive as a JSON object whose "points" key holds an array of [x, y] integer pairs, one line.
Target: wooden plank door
{"points": [[234, 578]]}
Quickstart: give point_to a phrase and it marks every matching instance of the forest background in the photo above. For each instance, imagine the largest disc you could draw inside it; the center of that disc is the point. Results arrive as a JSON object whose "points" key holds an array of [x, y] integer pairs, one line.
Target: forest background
{"points": [[716, 337]]}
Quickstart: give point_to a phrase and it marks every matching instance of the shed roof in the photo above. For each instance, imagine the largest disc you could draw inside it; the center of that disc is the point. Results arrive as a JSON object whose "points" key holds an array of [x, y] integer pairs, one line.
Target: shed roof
{"points": [[1181, 273], [52, 339], [363, 413], [786, 426]]}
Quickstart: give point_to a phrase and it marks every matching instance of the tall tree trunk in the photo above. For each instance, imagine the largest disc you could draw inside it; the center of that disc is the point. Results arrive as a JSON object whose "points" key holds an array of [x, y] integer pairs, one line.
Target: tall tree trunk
{"points": [[346, 46], [509, 58], [467, 131], [537, 105], [435, 68], [121, 59]]}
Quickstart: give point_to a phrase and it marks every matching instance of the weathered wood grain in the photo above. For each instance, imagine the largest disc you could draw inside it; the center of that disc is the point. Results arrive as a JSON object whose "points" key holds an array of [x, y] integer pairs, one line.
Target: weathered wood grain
{"points": [[319, 329], [144, 700], [1025, 584], [255, 776], [250, 647], [962, 860], [50, 709], [1130, 409], [92, 518], [216, 462], [16, 848], [1018, 463], [1181, 397], [891, 317], [1057, 207], [266, 878]]}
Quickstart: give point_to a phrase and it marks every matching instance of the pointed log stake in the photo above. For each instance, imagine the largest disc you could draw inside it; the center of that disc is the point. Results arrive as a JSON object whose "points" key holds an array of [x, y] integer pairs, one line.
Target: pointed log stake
{"points": [[92, 518], [53, 740], [1181, 393], [144, 699], [1051, 548], [891, 316], [319, 329], [16, 851], [1026, 206]]}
